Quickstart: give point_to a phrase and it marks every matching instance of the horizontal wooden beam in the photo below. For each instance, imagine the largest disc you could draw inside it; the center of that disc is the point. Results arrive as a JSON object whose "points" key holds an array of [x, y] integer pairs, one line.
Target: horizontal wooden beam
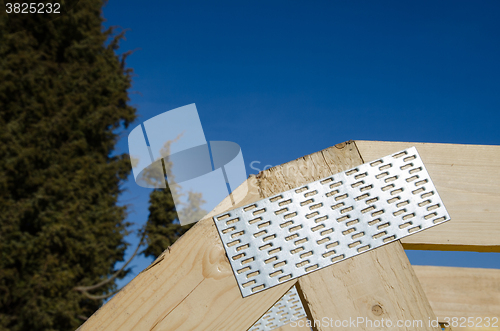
{"points": [[462, 293], [467, 178]]}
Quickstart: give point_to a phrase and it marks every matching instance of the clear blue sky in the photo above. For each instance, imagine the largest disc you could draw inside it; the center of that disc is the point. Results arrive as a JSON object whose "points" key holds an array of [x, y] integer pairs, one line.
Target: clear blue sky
{"points": [[288, 78]]}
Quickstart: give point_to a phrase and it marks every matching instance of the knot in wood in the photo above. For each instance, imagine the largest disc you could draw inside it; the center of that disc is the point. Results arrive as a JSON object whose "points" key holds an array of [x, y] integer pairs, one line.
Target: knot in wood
{"points": [[377, 310]]}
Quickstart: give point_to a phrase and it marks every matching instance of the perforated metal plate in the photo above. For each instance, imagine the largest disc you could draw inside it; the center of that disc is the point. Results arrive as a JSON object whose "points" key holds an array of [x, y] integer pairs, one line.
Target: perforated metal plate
{"points": [[289, 308], [301, 230]]}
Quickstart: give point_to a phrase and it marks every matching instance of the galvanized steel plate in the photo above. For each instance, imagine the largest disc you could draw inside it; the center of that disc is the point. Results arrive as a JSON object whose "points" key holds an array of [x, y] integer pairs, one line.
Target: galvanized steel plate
{"points": [[307, 228], [289, 308]]}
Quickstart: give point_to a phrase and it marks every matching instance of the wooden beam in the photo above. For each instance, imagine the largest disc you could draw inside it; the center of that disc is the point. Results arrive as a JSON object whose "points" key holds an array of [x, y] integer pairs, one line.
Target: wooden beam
{"points": [[462, 293], [467, 178], [375, 285]]}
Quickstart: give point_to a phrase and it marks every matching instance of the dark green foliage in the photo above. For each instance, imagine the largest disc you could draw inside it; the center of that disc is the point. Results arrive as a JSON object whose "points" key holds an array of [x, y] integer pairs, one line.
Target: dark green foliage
{"points": [[63, 94], [163, 228], [160, 229]]}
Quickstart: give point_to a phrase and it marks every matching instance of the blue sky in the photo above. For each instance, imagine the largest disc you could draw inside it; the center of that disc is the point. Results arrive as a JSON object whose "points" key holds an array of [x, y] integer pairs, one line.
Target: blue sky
{"points": [[288, 78]]}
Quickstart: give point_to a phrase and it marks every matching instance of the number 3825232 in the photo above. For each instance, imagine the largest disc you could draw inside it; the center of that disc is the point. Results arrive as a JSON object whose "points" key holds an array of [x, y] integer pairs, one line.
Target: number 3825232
{"points": [[32, 8]]}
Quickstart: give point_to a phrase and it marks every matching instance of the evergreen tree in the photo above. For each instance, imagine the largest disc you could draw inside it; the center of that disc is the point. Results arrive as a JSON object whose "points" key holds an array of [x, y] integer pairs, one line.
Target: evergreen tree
{"points": [[63, 96], [163, 228]]}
